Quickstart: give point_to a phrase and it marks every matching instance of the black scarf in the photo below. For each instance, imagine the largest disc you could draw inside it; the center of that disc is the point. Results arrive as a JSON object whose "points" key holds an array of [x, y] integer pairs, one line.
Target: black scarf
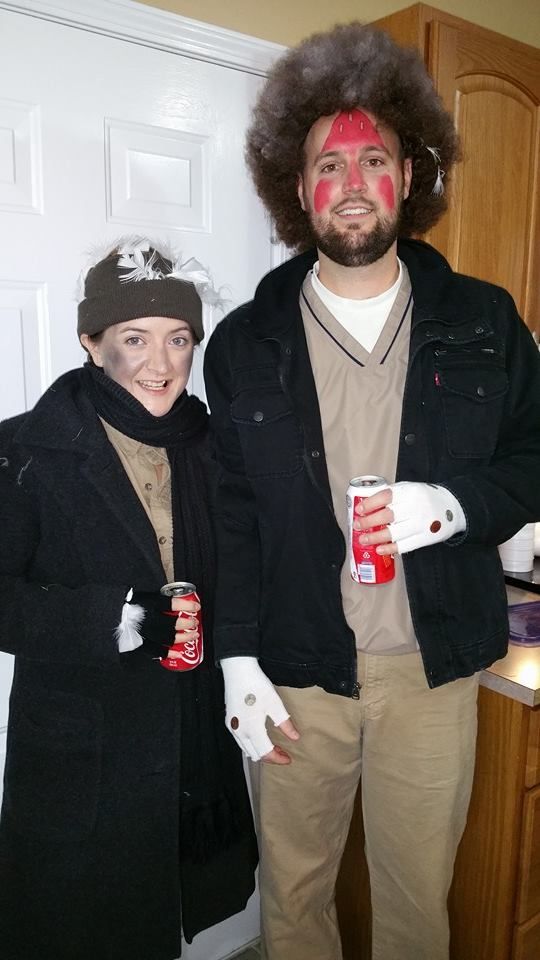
{"points": [[211, 814]]}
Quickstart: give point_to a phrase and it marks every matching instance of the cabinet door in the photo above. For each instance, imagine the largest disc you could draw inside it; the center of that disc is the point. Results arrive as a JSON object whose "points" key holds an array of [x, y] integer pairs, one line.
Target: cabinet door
{"points": [[492, 86], [528, 903], [527, 940], [532, 769], [483, 893]]}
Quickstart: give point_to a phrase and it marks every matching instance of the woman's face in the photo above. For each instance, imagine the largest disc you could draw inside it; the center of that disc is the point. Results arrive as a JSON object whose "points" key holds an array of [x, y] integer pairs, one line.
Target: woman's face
{"points": [[150, 357]]}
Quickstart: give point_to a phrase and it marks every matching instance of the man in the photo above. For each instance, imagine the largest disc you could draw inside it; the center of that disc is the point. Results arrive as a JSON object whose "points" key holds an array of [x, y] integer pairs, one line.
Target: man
{"points": [[367, 355]]}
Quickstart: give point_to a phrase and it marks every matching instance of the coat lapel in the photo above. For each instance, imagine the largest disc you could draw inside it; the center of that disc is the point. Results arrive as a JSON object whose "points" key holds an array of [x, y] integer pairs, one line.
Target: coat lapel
{"points": [[103, 470], [64, 420]]}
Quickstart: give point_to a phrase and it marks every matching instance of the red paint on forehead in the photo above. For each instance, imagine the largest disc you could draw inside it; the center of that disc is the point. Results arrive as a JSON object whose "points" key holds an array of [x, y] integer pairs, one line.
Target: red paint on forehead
{"points": [[351, 128]]}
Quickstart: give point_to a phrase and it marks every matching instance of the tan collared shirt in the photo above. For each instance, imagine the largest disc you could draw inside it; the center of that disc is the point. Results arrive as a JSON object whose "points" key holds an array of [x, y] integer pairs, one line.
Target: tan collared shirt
{"points": [[150, 474], [360, 399]]}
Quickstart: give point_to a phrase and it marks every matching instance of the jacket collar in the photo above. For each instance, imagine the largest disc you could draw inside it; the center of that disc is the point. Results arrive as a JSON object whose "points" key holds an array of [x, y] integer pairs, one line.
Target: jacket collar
{"points": [[64, 419], [436, 295]]}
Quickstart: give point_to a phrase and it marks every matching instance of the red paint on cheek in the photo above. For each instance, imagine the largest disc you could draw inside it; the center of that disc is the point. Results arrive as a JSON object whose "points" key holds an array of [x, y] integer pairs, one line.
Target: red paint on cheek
{"points": [[386, 190], [352, 128], [321, 197]]}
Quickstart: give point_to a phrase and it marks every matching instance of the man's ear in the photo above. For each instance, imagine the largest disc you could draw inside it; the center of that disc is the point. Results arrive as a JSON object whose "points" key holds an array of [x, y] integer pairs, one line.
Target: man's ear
{"points": [[407, 177], [92, 346], [300, 190]]}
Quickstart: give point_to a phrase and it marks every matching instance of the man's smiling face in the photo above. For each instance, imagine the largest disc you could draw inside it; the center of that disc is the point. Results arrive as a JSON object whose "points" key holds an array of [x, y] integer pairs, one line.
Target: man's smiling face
{"points": [[352, 186]]}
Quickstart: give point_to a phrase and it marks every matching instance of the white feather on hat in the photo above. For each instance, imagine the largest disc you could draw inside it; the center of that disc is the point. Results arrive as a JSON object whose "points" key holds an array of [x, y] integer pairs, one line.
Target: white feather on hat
{"points": [[130, 250]]}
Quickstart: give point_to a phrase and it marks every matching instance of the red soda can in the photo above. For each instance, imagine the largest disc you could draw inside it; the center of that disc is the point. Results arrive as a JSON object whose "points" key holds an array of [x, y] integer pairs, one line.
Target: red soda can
{"points": [[190, 652], [367, 566]]}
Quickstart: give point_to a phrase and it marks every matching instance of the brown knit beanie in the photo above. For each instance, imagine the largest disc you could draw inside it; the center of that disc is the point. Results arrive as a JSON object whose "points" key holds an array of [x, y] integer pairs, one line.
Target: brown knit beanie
{"points": [[135, 280]]}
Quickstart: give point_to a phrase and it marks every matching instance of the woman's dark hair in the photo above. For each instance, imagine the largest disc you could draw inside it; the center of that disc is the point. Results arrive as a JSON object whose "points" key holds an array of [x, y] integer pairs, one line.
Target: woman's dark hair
{"points": [[351, 66]]}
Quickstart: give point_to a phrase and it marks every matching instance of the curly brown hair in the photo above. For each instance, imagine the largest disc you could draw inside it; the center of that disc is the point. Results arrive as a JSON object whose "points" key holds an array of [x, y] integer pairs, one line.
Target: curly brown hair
{"points": [[352, 65]]}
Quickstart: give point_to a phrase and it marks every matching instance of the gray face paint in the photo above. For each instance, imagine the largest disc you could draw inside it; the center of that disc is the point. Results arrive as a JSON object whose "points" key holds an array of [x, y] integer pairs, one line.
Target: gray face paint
{"points": [[150, 358]]}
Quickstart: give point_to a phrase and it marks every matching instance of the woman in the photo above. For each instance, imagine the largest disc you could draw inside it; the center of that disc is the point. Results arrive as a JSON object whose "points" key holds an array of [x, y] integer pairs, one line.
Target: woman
{"points": [[125, 812]]}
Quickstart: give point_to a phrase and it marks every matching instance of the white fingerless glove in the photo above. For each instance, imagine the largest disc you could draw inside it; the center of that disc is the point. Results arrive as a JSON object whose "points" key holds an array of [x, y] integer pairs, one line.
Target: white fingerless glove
{"points": [[249, 699], [423, 514]]}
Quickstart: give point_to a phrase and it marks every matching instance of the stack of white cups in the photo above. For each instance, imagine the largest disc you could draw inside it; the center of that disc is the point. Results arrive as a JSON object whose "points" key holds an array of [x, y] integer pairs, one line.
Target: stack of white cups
{"points": [[517, 554]]}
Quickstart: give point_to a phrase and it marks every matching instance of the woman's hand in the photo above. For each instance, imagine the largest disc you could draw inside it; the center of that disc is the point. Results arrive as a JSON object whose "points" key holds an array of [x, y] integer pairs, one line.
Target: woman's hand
{"points": [[187, 625]]}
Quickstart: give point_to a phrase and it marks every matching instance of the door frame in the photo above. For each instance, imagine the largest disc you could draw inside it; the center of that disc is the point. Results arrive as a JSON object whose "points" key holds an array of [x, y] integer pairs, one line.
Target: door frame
{"points": [[161, 29]]}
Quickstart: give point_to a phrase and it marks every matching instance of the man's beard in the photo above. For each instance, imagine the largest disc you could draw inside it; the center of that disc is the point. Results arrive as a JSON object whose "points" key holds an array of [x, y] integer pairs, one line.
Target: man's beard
{"points": [[352, 247]]}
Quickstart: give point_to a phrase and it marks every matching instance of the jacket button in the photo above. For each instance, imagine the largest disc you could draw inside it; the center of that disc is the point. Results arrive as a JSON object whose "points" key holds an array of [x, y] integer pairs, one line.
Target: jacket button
{"points": [[429, 333], [288, 351], [480, 391], [478, 329], [315, 454], [258, 416], [410, 438]]}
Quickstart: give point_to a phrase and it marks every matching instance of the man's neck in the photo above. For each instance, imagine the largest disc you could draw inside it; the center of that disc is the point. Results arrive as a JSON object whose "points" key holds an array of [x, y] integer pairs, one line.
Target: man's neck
{"points": [[359, 283]]}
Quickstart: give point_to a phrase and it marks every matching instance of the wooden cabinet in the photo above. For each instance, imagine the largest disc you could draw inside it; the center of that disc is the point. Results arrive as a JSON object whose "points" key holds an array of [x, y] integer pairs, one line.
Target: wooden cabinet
{"points": [[491, 84], [491, 900], [528, 903], [494, 902]]}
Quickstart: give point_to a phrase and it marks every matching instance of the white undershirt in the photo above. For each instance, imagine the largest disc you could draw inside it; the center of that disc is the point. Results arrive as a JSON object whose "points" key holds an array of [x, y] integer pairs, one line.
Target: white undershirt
{"points": [[363, 319]]}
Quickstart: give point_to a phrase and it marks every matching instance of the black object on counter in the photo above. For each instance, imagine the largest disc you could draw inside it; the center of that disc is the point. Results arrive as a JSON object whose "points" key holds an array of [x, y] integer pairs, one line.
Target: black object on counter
{"points": [[527, 581]]}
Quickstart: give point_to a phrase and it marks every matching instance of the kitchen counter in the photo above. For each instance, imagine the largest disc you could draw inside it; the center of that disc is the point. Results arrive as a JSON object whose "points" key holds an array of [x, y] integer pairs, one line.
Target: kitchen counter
{"points": [[517, 675]]}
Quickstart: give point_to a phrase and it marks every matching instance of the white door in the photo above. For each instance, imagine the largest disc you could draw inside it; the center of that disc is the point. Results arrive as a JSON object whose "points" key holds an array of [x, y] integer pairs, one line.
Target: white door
{"points": [[101, 137]]}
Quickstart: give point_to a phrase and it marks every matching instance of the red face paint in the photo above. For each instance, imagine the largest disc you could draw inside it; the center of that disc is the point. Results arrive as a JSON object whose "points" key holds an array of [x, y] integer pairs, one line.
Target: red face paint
{"points": [[386, 190], [350, 132], [322, 195], [352, 129]]}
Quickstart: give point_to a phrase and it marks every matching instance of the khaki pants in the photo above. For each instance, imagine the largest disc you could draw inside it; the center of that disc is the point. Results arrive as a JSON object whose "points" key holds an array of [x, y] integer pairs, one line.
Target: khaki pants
{"points": [[413, 749]]}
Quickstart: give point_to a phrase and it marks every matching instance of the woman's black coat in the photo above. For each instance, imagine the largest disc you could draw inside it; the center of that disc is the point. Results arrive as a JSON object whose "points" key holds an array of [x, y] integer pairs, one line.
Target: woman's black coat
{"points": [[89, 862]]}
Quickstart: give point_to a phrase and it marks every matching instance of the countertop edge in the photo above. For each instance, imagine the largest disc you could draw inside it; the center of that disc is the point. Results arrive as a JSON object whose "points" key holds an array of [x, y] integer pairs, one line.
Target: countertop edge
{"points": [[509, 688]]}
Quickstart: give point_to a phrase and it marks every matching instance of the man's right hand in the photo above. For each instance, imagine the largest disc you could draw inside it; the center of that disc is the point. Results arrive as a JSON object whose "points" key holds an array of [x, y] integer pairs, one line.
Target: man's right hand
{"points": [[250, 698]]}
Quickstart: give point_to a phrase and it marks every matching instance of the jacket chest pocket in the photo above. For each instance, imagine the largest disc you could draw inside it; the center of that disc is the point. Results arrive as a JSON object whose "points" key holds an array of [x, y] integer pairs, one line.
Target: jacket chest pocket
{"points": [[472, 400], [269, 432]]}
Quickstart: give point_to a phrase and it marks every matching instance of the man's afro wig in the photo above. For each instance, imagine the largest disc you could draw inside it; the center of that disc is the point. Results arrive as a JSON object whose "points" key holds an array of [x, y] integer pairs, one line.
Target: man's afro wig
{"points": [[353, 65]]}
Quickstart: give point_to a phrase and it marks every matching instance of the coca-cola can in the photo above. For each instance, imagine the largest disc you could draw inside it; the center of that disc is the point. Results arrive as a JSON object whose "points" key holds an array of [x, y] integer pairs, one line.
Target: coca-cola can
{"points": [[367, 566], [190, 653]]}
